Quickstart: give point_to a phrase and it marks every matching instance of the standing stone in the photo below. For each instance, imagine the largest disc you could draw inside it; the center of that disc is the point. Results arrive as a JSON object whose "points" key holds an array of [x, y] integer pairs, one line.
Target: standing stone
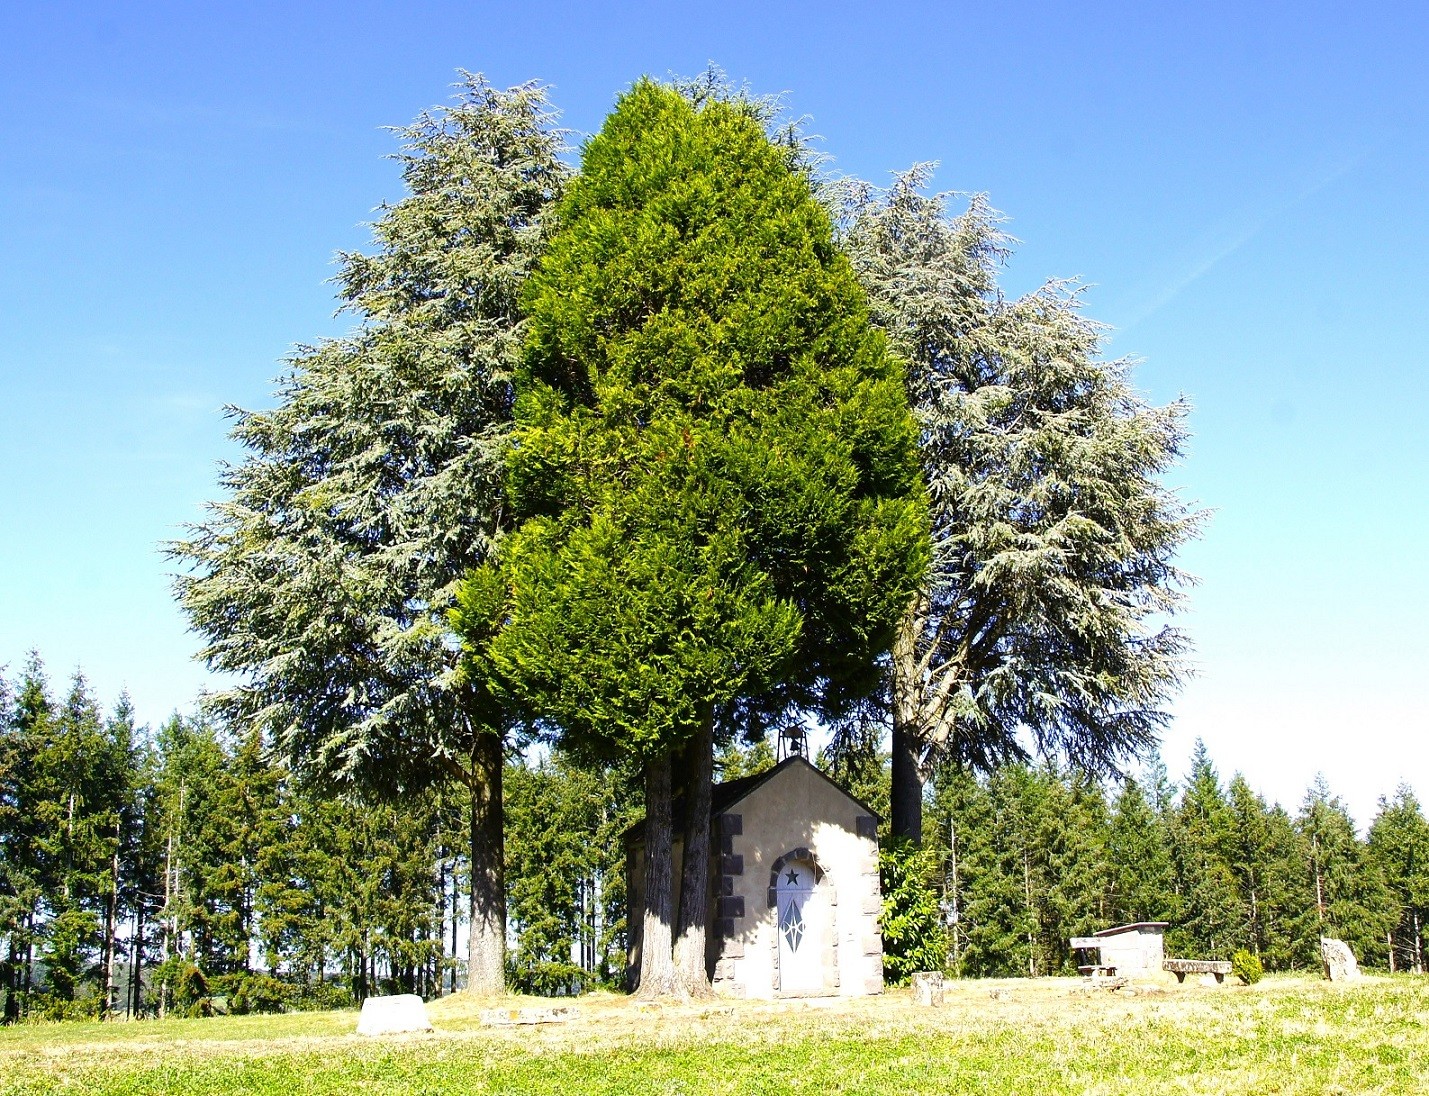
{"points": [[393, 1015], [928, 987], [1340, 965]]}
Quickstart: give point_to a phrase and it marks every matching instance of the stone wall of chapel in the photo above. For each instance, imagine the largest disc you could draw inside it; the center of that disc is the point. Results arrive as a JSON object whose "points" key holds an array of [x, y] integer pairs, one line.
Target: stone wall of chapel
{"points": [[799, 813]]}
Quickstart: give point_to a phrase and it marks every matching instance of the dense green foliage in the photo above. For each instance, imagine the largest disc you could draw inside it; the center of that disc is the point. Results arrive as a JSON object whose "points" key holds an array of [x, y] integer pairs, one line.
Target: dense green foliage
{"points": [[713, 465], [914, 937], [197, 875], [1033, 856], [1247, 967], [565, 862], [642, 436], [712, 453], [322, 581], [184, 871]]}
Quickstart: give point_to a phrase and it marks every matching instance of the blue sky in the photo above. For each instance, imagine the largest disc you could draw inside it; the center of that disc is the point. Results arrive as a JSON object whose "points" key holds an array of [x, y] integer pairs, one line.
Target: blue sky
{"points": [[1243, 186]]}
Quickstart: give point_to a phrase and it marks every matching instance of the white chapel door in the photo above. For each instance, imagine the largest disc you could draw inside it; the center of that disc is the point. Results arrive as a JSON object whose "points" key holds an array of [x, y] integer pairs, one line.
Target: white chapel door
{"points": [[800, 967]]}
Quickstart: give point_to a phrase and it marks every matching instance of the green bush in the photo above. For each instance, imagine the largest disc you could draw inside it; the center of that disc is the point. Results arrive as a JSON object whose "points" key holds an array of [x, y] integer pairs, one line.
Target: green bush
{"points": [[1246, 967], [914, 937], [255, 992]]}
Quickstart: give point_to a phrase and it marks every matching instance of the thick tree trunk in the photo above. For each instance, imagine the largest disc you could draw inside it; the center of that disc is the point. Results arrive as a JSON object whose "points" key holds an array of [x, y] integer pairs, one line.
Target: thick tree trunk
{"points": [[486, 951], [695, 874], [906, 799], [658, 976]]}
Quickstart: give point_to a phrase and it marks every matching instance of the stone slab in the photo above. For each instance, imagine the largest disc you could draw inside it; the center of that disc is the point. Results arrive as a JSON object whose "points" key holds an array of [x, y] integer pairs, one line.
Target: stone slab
{"points": [[402, 1012], [510, 1017], [928, 987]]}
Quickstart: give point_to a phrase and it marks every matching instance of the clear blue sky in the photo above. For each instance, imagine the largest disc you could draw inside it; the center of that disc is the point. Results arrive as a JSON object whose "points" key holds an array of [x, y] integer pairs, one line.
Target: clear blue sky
{"points": [[1243, 184]]}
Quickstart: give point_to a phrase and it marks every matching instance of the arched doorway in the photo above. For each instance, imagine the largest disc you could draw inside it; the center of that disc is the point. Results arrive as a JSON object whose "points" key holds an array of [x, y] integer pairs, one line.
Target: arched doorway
{"points": [[800, 934]]}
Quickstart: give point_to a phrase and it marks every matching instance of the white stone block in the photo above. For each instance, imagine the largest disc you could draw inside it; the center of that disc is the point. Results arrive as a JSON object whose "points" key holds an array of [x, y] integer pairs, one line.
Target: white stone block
{"points": [[393, 1015], [928, 987]]}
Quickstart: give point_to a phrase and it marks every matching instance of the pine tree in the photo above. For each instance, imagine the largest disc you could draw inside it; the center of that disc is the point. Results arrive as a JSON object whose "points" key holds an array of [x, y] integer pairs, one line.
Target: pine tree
{"points": [[1211, 924], [1399, 849], [1351, 901], [1139, 851], [1266, 858], [323, 580], [714, 463], [25, 720], [1042, 618]]}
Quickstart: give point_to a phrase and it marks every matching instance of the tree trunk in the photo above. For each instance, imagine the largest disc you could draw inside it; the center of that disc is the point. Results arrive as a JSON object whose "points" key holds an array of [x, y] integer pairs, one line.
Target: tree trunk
{"points": [[111, 933], [136, 962], [906, 803], [12, 981], [456, 910], [486, 954], [658, 976], [695, 874], [1418, 952]]}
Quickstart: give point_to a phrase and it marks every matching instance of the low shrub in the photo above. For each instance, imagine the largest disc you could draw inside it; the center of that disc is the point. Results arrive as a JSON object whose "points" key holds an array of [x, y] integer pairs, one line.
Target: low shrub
{"points": [[1247, 967]]}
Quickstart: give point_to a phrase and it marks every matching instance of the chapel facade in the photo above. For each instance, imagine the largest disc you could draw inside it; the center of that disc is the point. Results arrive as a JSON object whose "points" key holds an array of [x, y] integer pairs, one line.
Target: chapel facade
{"points": [[795, 891]]}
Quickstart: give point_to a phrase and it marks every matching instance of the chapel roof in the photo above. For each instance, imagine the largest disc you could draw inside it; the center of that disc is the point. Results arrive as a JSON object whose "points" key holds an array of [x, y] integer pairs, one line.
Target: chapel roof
{"points": [[725, 795]]}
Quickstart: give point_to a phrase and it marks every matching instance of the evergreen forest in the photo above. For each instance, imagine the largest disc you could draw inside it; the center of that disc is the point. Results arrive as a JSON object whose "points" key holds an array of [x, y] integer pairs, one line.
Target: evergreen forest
{"points": [[181, 870]]}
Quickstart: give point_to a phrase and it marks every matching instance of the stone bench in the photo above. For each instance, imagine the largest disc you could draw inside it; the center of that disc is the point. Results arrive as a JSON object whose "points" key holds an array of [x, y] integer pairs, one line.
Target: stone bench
{"points": [[1182, 967], [1096, 970]]}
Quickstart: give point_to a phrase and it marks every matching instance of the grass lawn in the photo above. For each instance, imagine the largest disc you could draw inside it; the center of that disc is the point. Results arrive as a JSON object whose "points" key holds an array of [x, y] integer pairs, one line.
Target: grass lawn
{"points": [[1046, 1036]]}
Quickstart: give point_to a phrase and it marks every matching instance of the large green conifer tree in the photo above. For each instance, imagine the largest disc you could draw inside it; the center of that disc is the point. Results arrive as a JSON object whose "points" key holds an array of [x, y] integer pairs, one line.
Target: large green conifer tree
{"points": [[1399, 847], [716, 466], [323, 580], [1043, 618]]}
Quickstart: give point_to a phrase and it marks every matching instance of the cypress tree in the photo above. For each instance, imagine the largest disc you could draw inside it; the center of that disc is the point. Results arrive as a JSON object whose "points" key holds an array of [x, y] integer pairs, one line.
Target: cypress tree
{"points": [[715, 464]]}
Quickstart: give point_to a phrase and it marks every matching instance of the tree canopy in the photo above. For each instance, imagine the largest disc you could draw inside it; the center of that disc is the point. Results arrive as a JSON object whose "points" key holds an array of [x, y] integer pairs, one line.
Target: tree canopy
{"points": [[713, 461], [324, 578], [1043, 618]]}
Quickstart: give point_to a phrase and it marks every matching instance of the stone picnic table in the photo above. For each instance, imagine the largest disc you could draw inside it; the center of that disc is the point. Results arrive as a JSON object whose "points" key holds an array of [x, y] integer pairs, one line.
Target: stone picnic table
{"points": [[1182, 967]]}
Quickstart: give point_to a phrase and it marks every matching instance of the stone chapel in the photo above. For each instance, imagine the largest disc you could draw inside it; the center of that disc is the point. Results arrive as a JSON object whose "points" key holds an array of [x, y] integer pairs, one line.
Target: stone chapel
{"points": [[796, 898]]}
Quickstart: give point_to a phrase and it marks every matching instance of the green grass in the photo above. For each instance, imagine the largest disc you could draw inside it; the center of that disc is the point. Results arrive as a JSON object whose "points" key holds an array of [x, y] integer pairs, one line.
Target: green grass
{"points": [[1282, 1036]]}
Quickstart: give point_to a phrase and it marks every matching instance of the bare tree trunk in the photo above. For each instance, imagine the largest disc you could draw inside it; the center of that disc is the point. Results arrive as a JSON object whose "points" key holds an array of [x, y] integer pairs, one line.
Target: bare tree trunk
{"points": [[658, 976], [29, 961], [1418, 950], [906, 805], [12, 981], [486, 954], [111, 933], [956, 900], [1031, 944], [695, 874], [456, 910], [136, 963]]}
